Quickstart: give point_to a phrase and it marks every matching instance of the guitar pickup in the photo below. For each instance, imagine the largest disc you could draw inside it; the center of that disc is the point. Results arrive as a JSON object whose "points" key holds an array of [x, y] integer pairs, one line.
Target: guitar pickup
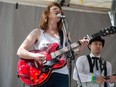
{"points": [[53, 55]]}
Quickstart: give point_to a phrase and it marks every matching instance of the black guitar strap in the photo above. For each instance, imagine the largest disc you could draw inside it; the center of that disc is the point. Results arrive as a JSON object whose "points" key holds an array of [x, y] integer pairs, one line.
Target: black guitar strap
{"points": [[103, 67], [61, 38], [105, 73]]}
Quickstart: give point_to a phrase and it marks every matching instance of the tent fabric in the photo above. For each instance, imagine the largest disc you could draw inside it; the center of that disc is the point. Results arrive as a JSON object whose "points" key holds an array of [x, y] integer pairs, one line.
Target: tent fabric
{"points": [[92, 3], [15, 25]]}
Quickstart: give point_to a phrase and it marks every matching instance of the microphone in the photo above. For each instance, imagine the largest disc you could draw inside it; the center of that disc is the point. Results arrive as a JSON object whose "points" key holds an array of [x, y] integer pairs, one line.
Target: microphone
{"points": [[60, 16]]}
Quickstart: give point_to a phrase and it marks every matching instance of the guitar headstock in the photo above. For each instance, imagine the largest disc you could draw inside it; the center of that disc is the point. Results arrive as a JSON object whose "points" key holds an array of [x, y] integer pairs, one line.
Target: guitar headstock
{"points": [[104, 32]]}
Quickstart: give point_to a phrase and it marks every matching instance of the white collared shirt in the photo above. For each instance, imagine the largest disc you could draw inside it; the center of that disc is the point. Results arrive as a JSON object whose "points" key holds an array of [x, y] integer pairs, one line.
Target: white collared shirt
{"points": [[82, 66]]}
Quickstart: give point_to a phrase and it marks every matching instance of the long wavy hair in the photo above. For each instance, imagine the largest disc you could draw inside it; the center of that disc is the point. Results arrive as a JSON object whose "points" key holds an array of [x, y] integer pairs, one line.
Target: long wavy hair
{"points": [[45, 17]]}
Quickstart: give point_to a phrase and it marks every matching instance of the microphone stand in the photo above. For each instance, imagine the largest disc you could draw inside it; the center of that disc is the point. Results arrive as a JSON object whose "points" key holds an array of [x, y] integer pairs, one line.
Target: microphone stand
{"points": [[70, 52]]}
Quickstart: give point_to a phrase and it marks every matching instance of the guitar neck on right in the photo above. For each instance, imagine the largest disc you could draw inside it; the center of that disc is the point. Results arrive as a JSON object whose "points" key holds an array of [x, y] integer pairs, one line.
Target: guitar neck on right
{"points": [[104, 32]]}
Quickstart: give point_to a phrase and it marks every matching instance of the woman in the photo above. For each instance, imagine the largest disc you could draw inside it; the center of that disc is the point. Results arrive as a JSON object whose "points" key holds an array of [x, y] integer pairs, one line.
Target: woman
{"points": [[47, 33]]}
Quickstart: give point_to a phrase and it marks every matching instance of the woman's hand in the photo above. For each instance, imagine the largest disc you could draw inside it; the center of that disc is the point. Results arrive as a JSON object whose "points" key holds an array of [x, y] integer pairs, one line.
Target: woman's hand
{"points": [[84, 42], [41, 58]]}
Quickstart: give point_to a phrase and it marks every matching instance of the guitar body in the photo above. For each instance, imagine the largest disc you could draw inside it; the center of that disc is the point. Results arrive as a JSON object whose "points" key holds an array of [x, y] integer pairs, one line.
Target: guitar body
{"points": [[33, 73]]}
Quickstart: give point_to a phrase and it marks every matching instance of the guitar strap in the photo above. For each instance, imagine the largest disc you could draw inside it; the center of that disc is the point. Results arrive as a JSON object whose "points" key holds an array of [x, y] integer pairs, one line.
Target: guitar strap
{"points": [[61, 38], [103, 67], [105, 73]]}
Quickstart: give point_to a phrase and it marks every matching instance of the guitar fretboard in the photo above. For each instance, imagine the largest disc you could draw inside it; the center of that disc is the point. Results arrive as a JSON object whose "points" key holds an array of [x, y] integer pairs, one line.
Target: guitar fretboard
{"points": [[104, 32], [64, 50]]}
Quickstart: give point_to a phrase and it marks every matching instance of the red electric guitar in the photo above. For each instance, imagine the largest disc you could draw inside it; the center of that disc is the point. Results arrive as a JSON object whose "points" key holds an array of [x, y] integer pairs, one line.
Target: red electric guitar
{"points": [[33, 73]]}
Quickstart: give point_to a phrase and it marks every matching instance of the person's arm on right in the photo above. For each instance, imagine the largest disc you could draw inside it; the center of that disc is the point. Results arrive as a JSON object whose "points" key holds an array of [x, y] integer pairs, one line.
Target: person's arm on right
{"points": [[89, 77]]}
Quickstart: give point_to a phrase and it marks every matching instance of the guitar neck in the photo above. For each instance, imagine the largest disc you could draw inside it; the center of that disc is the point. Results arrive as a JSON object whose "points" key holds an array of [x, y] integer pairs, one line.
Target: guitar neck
{"points": [[103, 32], [64, 50]]}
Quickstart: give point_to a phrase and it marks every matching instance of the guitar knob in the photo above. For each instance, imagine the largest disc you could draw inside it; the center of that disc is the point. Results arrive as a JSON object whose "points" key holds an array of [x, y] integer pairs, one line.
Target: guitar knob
{"points": [[36, 81], [36, 74], [42, 77], [32, 79]]}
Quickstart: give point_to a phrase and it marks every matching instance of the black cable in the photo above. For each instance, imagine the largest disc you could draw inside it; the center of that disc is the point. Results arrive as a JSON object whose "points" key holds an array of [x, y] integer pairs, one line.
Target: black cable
{"points": [[16, 6]]}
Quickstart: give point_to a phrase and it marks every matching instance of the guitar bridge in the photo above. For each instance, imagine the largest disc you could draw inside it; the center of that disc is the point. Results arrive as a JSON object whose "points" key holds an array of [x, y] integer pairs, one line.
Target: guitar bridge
{"points": [[45, 69]]}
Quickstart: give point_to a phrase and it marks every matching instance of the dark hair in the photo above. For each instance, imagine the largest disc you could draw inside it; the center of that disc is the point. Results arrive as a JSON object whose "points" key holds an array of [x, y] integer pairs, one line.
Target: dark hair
{"points": [[45, 16]]}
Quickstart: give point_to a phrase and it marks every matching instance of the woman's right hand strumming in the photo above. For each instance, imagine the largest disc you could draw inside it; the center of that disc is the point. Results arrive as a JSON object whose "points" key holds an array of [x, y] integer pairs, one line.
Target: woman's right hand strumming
{"points": [[39, 57]]}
